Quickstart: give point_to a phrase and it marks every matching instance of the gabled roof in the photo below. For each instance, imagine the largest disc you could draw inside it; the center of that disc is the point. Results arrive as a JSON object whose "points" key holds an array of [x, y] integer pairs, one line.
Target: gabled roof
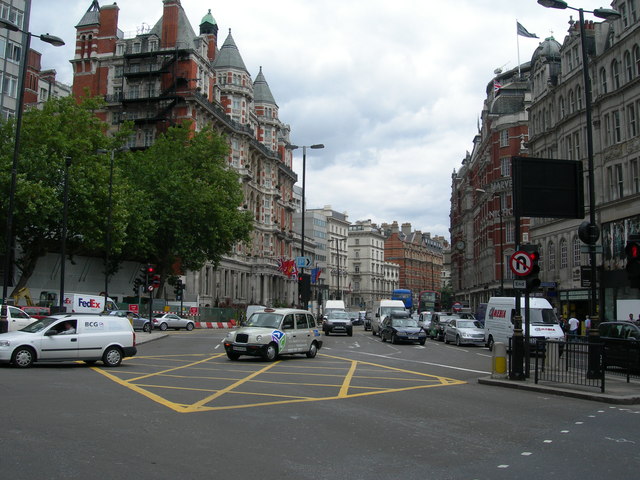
{"points": [[92, 15], [229, 56], [261, 90]]}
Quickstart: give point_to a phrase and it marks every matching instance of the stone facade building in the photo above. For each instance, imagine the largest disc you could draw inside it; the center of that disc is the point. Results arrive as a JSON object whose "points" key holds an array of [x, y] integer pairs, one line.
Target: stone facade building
{"points": [[167, 74]]}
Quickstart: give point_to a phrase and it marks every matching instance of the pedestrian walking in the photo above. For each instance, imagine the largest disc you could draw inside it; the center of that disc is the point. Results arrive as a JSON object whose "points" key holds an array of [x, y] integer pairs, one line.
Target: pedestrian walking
{"points": [[574, 324]]}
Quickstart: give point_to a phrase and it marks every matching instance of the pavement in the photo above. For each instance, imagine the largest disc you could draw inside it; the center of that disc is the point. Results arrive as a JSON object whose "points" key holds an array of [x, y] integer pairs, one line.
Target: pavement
{"points": [[617, 390]]}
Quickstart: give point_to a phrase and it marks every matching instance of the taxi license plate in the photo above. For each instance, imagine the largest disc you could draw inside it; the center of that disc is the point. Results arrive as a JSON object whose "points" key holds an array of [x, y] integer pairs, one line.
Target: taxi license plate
{"points": [[240, 349]]}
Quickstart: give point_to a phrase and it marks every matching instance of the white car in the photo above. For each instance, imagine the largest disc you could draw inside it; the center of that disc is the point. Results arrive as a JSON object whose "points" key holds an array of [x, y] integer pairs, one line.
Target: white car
{"points": [[463, 330], [273, 332], [171, 320]]}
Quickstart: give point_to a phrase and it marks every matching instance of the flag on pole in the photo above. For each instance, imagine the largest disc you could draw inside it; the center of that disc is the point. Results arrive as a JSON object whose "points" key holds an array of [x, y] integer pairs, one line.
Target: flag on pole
{"points": [[523, 32], [496, 85]]}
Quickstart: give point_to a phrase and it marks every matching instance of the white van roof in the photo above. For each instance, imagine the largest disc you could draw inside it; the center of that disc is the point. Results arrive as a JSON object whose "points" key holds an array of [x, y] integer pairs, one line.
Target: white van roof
{"points": [[534, 302]]}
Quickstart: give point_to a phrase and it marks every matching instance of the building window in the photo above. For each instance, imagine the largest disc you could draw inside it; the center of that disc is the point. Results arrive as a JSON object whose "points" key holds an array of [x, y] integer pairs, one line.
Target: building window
{"points": [[572, 101], [579, 96], [615, 74], [603, 80], [9, 85], [628, 67], [622, 8], [552, 256], [120, 49], [576, 144], [136, 47], [608, 140], [504, 138], [634, 174], [505, 166], [632, 121], [561, 111], [617, 127], [564, 254], [577, 254], [14, 52]]}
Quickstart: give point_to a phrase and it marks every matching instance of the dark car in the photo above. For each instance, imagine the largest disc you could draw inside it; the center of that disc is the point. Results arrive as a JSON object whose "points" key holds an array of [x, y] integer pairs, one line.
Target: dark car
{"points": [[438, 323], [400, 327], [621, 343]]}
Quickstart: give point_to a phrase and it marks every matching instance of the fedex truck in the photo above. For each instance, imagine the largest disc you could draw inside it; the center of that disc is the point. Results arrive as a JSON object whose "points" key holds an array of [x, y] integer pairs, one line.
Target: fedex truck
{"points": [[85, 303]]}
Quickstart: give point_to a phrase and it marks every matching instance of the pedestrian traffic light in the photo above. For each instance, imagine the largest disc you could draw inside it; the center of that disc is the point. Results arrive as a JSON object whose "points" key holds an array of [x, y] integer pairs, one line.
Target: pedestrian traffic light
{"points": [[532, 251], [632, 251]]}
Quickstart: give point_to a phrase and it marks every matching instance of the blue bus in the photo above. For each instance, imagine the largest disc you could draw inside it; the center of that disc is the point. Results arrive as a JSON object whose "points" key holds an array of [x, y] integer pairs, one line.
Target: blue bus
{"points": [[405, 295]]}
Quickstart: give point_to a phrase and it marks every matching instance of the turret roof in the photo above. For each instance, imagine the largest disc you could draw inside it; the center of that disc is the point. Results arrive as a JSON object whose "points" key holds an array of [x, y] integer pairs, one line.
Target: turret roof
{"points": [[229, 55], [261, 90], [92, 15]]}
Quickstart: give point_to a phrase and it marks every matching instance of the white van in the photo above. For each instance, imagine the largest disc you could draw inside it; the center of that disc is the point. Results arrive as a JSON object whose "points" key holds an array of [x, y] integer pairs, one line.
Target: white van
{"points": [[333, 305], [84, 303], [384, 308], [498, 320], [70, 337], [16, 317]]}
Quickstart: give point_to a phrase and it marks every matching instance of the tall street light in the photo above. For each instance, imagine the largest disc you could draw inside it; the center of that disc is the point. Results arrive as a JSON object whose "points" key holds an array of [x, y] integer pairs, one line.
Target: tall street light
{"points": [[56, 42], [593, 231], [304, 169]]}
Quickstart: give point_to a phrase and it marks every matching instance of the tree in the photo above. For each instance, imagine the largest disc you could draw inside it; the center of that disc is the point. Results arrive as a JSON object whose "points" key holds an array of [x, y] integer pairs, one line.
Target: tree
{"points": [[190, 198], [61, 129]]}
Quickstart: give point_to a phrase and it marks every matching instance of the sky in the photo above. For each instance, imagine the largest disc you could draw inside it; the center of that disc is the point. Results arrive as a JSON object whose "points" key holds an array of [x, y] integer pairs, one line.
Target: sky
{"points": [[393, 90]]}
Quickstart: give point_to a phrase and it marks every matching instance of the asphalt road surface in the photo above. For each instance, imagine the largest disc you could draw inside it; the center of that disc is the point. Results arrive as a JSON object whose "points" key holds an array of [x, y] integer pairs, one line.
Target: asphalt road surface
{"points": [[361, 409]]}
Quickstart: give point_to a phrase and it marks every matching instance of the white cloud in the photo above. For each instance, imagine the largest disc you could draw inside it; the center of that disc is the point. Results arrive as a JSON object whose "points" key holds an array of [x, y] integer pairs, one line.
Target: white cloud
{"points": [[393, 89]]}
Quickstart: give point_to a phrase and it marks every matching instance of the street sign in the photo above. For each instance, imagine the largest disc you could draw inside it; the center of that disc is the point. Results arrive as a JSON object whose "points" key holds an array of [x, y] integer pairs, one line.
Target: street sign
{"points": [[520, 284], [586, 248], [521, 263], [303, 262]]}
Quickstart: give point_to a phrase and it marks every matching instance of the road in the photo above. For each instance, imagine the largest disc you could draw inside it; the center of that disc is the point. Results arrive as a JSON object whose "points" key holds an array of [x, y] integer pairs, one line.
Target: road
{"points": [[361, 409]]}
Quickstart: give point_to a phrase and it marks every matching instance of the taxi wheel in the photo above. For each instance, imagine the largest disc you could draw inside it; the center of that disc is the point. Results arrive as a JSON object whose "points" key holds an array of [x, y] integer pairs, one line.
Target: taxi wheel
{"points": [[271, 353], [112, 357], [313, 350], [233, 356], [189, 326], [23, 357]]}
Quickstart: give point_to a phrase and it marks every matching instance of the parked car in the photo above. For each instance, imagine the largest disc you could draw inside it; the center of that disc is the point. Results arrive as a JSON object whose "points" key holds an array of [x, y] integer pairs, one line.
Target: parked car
{"points": [[437, 323], [163, 321], [621, 343], [401, 327], [337, 322], [462, 330], [36, 312], [424, 318], [273, 332], [16, 317], [138, 322]]}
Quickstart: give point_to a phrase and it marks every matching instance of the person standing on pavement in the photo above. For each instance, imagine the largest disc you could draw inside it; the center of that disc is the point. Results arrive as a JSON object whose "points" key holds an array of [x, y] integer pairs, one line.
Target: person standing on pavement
{"points": [[574, 324]]}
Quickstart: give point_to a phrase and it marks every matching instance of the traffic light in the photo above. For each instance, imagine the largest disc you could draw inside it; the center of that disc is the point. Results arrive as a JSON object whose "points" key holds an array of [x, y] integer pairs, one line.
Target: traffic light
{"points": [[632, 251], [155, 282], [146, 275], [304, 287], [178, 289], [532, 251], [136, 286]]}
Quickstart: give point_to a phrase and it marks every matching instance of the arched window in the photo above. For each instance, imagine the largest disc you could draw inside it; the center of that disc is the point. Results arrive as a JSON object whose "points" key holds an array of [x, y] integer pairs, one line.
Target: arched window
{"points": [[603, 81], [615, 73], [576, 254], [564, 257], [561, 111], [628, 67], [551, 256], [572, 101], [636, 58], [579, 96]]}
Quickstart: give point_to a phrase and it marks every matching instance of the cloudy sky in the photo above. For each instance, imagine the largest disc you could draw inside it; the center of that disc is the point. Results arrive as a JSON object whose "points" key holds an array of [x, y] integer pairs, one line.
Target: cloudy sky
{"points": [[393, 89]]}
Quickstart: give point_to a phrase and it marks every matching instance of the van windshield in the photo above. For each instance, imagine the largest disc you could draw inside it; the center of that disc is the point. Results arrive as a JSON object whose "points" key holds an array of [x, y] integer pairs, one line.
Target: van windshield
{"points": [[543, 316], [38, 325]]}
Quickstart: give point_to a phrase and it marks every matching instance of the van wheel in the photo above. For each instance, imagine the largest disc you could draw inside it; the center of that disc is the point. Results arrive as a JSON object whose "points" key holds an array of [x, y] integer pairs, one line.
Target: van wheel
{"points": [[112, 357], [189, 326], [313, 350], [490, 344], [23, 357], [271, 353]]}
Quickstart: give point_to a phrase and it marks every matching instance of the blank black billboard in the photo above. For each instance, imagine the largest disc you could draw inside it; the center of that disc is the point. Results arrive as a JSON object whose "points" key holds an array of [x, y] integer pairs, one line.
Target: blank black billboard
{"points": [[545, 187]]}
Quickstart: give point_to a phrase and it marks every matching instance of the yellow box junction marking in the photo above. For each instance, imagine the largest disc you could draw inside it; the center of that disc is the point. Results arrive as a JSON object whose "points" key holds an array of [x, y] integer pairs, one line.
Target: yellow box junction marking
{"points": [[343, 378]]}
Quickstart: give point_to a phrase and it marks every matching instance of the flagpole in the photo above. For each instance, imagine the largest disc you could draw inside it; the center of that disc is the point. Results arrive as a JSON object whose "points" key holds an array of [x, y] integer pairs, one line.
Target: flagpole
{"points": [[518, 44]]}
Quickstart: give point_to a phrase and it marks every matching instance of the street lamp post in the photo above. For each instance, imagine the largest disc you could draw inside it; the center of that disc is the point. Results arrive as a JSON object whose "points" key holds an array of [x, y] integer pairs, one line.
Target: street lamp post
{"points": [[56, 42], [63, 235], [607, 14], [304, 168]]}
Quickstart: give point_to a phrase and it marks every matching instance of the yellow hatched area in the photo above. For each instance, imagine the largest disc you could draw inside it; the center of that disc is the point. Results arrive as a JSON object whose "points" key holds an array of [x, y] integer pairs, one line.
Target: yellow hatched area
{"points": [[197, 383]]}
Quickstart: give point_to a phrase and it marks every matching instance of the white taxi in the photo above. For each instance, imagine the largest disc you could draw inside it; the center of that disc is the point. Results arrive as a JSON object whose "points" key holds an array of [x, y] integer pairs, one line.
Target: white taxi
{"points": [[272, 332]]}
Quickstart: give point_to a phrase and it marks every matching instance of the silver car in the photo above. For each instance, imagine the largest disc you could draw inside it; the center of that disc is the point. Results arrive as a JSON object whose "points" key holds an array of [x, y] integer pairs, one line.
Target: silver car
{"points": [[138, 322], [461, 330], [171, 320]]}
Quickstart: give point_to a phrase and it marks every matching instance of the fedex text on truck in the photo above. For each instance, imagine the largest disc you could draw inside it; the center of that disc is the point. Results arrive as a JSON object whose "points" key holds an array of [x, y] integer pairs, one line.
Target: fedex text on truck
{"points": [[89, 303]]}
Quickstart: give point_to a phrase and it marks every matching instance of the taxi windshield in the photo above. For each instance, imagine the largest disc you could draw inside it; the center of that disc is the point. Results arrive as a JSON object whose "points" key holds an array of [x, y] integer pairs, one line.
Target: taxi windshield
{"points": [[264, 319], [38, 325]]}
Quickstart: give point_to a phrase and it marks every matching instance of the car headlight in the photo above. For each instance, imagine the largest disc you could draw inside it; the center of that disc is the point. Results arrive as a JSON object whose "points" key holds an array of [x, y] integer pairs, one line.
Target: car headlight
{"points": [[5, 343], [230, 335]]}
